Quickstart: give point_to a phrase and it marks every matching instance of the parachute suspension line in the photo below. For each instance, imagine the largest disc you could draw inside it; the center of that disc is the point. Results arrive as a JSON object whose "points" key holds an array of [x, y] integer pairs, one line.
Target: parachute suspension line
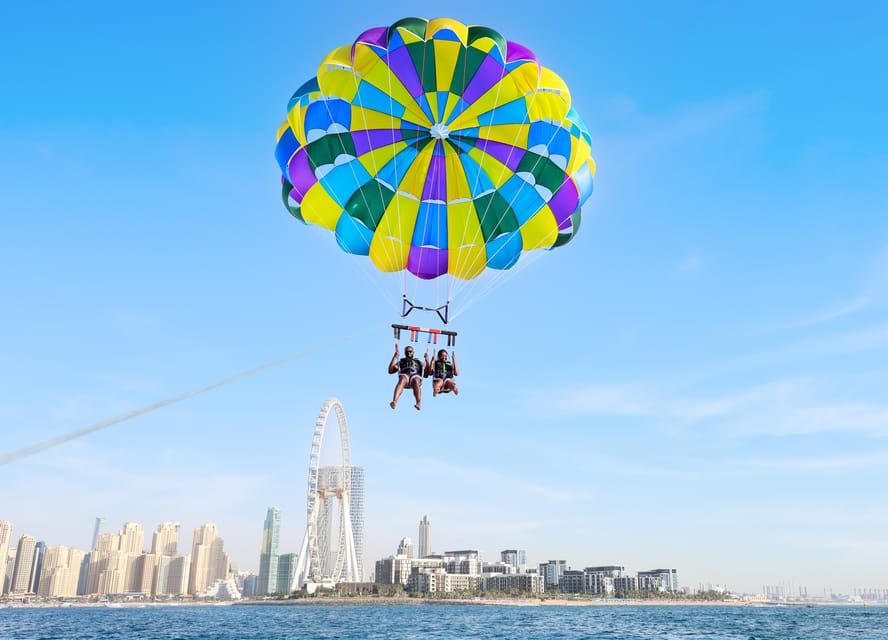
{"points": [[386, 249], [79, 433], [323, 180], [371, 271], [502, 276]]}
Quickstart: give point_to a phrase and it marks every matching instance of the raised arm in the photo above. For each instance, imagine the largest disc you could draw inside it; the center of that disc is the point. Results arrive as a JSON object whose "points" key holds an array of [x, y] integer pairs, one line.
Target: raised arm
{"points": [[427, 371], [393, 365], [453, 360]]}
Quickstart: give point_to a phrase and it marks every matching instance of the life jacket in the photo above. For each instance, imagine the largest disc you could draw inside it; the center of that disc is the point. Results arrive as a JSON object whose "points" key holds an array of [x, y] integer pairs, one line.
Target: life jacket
{"points": [[443, 369], [409, 366]]}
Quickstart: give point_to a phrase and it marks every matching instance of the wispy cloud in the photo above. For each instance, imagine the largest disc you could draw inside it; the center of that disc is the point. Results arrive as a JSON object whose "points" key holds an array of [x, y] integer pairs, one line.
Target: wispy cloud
{"points": [[779, 408], [839, 310], [872, 290]]}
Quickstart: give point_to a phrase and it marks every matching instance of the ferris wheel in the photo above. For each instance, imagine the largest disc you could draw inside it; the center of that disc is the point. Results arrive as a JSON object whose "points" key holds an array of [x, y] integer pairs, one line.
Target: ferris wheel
{"points": [[328, 551]]}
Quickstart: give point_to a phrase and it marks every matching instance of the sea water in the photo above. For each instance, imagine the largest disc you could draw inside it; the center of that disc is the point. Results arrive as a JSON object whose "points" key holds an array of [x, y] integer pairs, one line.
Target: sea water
{"points": [[415, 622]]}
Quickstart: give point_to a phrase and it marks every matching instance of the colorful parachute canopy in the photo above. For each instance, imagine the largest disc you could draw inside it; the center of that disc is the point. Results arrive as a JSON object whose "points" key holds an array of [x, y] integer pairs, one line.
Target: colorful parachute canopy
{"points": [[438, 148]]}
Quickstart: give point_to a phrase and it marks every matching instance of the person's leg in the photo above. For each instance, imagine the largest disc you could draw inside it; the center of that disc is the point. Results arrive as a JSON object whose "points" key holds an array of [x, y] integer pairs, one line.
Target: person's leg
{"points": [[417, 392], [450, 385], [436, 386], [399, 388]]}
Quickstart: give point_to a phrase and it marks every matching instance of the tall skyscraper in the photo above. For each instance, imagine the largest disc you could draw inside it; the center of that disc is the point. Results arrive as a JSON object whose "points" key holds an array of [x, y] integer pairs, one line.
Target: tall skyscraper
{"points": [[166, 539], [209, 562], [425, 537], [24, 564], [5, 539], [36, 567], [268, 556], [97, 531], [356, 505], [10, 569]]}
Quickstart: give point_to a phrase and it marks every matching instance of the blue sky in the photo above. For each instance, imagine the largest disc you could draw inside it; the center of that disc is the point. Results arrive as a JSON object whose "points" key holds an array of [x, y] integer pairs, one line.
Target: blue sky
{"points": [[697, 381]]}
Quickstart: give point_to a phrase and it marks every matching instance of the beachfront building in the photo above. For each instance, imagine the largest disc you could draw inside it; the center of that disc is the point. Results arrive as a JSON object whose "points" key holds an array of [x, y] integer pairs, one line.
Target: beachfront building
{"points": [[393, 570], [5, 540], [622, 584], [552, 572], [531, 583], [10, 567], [397, 569], [465, 562], [600, 580], [439, 581], [658, 580], [60, 572], [221, 589], [572, 581], [209, 562], [171, 575], [515, 557], [24, 564]]}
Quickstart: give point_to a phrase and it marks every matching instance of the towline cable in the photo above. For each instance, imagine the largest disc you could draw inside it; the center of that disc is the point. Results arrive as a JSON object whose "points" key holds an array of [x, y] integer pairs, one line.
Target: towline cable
{"points": [[98, 426]]}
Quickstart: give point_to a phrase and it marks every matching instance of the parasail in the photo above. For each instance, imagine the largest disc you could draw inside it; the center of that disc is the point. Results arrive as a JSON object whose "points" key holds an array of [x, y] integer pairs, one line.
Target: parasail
{"points": [[436, 149]]}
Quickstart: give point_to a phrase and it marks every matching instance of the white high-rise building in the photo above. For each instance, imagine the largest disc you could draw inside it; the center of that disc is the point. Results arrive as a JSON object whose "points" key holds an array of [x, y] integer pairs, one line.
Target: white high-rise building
{"points": [[405, 548], [425, 537], [24, 565], [5, 540], [166, 539]]}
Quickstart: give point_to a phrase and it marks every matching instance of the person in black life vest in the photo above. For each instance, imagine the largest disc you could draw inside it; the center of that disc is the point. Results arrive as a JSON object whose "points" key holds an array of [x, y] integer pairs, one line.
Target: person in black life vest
{"points": [[442, 373], [409, 370]]}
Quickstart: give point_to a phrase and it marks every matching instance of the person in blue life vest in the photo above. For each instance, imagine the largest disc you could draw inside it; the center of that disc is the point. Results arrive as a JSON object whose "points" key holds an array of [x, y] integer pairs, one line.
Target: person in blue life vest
{"points": [[442, 372], [409, 370]]}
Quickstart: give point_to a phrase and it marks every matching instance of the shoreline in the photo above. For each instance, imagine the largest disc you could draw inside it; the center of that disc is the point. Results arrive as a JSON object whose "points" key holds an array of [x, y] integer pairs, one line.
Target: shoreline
{"points": [[406, 601]]}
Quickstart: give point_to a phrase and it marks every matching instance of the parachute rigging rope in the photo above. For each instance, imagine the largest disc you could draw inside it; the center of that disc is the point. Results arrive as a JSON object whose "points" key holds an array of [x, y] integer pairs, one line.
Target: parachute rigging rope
{"points": [[79, 433]]}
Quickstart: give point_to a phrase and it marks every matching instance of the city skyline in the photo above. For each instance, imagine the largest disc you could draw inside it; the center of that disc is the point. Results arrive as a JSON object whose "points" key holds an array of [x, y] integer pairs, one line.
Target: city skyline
{"points": [[697, 380], [173, 568]]}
